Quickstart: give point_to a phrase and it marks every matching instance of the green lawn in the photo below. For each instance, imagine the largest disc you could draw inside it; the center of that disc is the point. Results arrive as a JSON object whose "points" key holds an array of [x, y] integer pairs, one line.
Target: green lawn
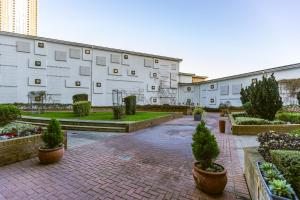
{"points": [[140, 116]]}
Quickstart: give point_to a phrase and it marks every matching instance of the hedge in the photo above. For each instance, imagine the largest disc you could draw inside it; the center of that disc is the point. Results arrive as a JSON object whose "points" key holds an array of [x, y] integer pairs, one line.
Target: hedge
{"points": [[255, 121], [8, 113], [82, 108], [293, 118], [80, 97], [130, 105], [288, 162]]}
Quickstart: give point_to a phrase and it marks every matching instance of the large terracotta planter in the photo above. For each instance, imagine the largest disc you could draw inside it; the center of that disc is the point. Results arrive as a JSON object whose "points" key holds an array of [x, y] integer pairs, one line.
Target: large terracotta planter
{"points": [[210, 182], [48, 156], [222, 126]]}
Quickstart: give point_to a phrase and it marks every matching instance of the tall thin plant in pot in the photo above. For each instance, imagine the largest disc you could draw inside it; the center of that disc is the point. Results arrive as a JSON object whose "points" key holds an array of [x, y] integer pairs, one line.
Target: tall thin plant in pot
{"points": [[53, 149], [209, 176], [198, 112]]}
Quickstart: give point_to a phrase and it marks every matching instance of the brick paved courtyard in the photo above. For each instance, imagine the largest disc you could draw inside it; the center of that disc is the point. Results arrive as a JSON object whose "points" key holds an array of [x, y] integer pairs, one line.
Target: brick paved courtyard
{"points": [[154, 163]]}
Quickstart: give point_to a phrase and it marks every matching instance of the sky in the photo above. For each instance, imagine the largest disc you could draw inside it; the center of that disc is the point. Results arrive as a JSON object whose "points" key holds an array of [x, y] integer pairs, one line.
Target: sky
{"points": [[215, 38]]}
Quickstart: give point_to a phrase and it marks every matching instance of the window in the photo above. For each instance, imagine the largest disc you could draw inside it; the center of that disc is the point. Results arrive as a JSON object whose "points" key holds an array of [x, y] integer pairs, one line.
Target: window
{"points": [[132, 72], [212, 100], [125, 57], [188, 101], [98, 84], [154, 100], [254, 80], [87, 51], [189, 89], [116, 71], [38, 63], [37, 81], [212, 87], [154, 74], [156, 61], [41, 45], [77, 83], [153, 87], [38, 98]]}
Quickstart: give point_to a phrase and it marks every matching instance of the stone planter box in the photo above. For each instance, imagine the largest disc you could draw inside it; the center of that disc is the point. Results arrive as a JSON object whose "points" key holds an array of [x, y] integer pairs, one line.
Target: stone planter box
{"points": [[255, 182], [18, 149], [256, 129]]}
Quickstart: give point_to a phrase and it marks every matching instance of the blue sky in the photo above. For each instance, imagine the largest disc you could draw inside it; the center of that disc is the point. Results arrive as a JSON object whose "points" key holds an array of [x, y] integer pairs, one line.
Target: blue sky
{"points": [[213, 37]]}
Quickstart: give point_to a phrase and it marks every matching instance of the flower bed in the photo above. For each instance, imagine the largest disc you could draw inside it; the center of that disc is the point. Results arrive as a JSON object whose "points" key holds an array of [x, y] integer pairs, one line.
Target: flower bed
{"points": [[14, 130]]}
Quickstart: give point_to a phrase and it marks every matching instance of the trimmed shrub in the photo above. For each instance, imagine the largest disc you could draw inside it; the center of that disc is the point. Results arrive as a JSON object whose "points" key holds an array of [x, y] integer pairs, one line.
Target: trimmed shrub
{"points": [[239, 114], [53, 137], [293, 118], [8, 113], [274, 141], [130, 105], [118, 112], [288, 162], [82, 108], [255, 121], [204, 146], [198, 111], [80, 97]]}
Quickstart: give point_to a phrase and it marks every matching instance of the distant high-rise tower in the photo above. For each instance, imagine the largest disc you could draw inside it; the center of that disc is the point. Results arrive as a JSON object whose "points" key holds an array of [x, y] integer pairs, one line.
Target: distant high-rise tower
{"points": [[19, 16]]}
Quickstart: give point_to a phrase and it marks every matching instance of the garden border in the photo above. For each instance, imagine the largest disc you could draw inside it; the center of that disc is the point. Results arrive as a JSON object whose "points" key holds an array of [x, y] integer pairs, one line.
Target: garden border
{"points": [[256, 129]]}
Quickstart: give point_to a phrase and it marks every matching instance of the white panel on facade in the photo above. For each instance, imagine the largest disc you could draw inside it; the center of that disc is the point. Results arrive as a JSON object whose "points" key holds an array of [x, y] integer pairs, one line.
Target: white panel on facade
{"points": [[236, 89], [23, 47], [174, 76], [101, 60], [156, 63], [37, 63], [153, 88], [39, 81], [8, 76], [75, 53], [174, 84], [213, 86], [224, 89], [85, 71], [154, 75], [125, 59], [8, 94], [148, 62], [132, 72], [165, 84], [115, 58], [9, 60], [58, 71], [77, 83], [87, 54], [40, 48], [98, 87], [174, 66], [164, 74], [115, 71], [60, 55]]}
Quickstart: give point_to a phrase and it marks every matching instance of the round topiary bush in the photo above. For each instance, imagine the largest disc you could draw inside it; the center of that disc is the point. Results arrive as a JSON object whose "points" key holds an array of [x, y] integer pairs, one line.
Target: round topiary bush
{"points": [[82, 108]]}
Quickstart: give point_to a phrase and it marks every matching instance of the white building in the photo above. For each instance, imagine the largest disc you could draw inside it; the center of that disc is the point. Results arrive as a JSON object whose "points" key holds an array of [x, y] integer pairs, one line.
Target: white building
{"points": [[62, 69], [213, 92], [19, 16]]}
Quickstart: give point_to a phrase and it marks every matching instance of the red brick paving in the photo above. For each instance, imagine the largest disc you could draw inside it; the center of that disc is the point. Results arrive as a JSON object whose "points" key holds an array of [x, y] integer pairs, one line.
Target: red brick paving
{"points": [[150, 164]]}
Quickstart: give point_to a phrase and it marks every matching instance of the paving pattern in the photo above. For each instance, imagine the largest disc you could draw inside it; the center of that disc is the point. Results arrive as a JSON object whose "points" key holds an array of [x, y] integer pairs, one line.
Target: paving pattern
{"points": [[154, 163]]}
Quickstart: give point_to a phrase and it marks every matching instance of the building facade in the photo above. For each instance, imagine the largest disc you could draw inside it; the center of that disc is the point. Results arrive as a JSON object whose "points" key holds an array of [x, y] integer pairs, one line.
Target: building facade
{"points": [[19, 16], [62, 69], [214, 92]]}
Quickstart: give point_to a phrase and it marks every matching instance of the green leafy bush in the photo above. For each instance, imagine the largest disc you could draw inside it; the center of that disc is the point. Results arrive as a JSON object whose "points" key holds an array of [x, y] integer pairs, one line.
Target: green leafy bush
{"points": [[295, 133], [80, 97], [198, 111], [281, 188], [248, 108], [204, 146], [53, 137], [288, 162], [118, 112], [8, 113], [255, 121], [245, 95], [293, 118], [82, 108], [130, 105]]}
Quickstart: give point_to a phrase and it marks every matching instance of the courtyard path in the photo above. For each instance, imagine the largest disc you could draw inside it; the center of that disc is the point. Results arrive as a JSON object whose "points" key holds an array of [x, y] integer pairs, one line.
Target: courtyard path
{"points": [[154, 163]]}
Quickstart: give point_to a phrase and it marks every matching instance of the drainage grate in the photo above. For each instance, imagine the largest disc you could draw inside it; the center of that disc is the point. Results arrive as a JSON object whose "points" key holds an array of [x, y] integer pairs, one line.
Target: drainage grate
{"points": [[124, 157]]}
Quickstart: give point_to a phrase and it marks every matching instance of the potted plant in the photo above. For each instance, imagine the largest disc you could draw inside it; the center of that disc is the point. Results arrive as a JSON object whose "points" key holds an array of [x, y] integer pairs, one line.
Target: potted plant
{"points": [[198, 111], [53, 139], [210, 177]]}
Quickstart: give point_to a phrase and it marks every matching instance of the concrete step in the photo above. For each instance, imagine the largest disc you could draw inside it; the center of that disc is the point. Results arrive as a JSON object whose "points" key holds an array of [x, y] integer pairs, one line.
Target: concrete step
{"points": [[82, 128]]}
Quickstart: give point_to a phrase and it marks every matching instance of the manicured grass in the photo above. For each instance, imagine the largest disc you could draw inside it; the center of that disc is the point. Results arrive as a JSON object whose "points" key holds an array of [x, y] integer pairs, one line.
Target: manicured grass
{"points": [[140, 116]]}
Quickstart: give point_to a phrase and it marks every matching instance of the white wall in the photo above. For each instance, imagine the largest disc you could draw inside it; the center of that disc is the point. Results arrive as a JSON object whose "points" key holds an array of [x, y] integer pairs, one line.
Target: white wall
{"points": [[155, 80]]}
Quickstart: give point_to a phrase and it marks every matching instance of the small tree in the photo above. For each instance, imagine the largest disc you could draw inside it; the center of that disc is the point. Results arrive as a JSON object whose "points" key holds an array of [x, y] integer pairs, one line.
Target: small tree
{"points": [[204, 146], [53, 137], [265, 98]]}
